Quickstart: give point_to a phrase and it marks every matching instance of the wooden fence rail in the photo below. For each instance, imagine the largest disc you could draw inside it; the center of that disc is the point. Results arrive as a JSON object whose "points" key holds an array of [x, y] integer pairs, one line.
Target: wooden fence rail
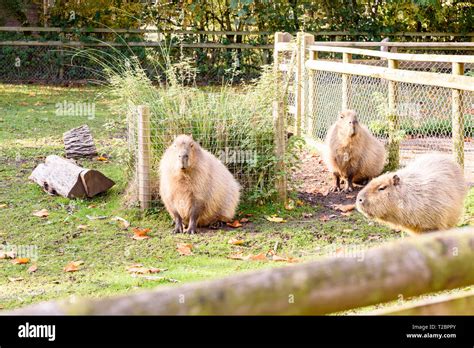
{"points": [[414, 266]]}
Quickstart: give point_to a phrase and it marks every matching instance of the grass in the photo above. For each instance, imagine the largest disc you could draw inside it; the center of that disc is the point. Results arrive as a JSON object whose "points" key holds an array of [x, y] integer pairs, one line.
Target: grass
{"points": [[30, 130]]}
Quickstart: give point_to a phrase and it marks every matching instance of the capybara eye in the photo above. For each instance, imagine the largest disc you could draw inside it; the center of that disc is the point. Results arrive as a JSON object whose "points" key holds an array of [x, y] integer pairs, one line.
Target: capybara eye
{"points": [[381, 188], [192, 144]]}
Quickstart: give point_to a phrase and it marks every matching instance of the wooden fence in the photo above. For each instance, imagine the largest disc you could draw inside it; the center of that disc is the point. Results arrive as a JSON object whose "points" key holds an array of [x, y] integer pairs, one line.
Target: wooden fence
{"points": [[384, 71], [393, 272]]}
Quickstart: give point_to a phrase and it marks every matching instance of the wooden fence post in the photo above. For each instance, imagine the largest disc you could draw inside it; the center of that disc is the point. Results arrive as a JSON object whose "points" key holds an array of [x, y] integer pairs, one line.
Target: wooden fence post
{"points": [[393, 146], [346, 82], [279, 123], [299, 81], [307, 40], [458, 118], [143, 169]]}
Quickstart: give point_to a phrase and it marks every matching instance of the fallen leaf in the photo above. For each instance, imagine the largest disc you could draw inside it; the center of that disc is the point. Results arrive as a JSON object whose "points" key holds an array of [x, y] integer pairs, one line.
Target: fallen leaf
{"points": [[122, 222], [244, 220], [234, 224], [12, 279], [185, 249], [41, 213], [140, 233], [344, 207], [33, 268], [324, 218], [82, 227], [3, 206], [307, 215], [20, 261], [347, 230], [73, 266], [101, 159], [258, 257], [299, 203], [275, 218], [235, 241], [290, 205]]}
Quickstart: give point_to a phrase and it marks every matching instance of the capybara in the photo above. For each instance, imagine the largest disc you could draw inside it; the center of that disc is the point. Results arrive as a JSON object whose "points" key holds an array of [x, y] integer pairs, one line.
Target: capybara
{"points": [[196, 188], [427, 195], [352, 152]]}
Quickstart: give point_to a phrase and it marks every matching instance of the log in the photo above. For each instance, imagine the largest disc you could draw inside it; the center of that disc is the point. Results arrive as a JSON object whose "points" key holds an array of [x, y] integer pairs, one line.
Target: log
{"points": [[410, 267], [78, 143], [62, 177]]}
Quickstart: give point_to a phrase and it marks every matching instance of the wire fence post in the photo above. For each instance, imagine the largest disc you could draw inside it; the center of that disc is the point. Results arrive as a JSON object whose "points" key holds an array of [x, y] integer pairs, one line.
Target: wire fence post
{"points": [[393, 146], [299, 80], [279, 124], [458, 118], [144, 193], [346, 82]]}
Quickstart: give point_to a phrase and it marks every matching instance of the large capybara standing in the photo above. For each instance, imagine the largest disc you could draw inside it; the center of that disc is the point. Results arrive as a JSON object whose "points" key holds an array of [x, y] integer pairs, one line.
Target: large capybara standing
{"points": [[352, 153], [196, 188], [427, 195]]}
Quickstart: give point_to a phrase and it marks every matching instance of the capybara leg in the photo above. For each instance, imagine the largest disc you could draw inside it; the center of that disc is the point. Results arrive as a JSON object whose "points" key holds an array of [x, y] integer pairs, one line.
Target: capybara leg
{"points": [[337, 183], [349, 186], [193, 219], [178, 224]]}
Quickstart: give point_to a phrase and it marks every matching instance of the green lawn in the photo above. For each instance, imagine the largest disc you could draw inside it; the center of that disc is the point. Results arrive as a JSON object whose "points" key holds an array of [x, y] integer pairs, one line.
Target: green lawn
{"points": [[30, 130]]}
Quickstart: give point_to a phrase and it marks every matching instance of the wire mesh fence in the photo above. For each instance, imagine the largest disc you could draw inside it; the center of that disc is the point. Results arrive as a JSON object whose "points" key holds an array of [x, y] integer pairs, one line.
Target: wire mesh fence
{"points": [[424, 112]]}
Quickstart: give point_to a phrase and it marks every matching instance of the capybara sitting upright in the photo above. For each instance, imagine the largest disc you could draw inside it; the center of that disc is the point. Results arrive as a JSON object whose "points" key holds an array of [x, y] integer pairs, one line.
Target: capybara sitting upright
{"points": [[427, 195], [352, 152], [196, 188]]}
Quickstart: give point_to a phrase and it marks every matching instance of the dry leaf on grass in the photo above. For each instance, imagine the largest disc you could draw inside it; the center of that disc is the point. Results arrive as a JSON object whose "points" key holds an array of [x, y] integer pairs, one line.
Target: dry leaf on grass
{"points": [[234, 224], [73, 266], [101, 159], [33, 268], [41, 213], [240, 256], [184, 249], [140, 233], [235, 241], [275, 218], [3, 206], [244, 220], [20, 261], [344, 207], [82, 227], [13, 279]]}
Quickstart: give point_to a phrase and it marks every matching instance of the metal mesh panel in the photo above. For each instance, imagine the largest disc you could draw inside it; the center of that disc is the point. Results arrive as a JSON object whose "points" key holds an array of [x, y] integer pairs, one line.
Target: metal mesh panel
{"points": [[425, 113]]}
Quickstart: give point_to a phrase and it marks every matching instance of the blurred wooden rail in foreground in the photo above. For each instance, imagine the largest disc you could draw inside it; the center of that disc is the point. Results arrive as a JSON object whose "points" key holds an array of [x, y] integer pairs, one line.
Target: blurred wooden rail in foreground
{"points": [[409, 267]]}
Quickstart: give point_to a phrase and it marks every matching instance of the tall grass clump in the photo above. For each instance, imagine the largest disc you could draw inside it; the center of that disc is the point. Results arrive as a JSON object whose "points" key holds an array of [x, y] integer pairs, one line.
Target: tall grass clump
{"points": [[233, 123]]}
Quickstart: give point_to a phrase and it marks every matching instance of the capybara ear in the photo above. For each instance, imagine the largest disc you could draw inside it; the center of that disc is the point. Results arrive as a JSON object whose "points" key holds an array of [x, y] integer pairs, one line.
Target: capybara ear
{"points": [[395, 180], [341, 114]]}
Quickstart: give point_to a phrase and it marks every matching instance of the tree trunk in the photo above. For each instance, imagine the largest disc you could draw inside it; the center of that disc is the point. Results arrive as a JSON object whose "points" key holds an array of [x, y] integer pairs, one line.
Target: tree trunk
{"points": [[410, 267], [61, 176], [78, 143]]}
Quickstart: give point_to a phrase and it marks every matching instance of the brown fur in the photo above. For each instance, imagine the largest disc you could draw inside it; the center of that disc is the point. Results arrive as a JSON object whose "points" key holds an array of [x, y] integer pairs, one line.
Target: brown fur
{"points": [[352, 152], [427, 195], [196, 188]]}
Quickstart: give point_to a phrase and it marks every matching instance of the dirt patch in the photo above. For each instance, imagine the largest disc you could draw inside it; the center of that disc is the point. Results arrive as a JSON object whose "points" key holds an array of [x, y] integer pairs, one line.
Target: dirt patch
{"points": [[314, 181]]}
